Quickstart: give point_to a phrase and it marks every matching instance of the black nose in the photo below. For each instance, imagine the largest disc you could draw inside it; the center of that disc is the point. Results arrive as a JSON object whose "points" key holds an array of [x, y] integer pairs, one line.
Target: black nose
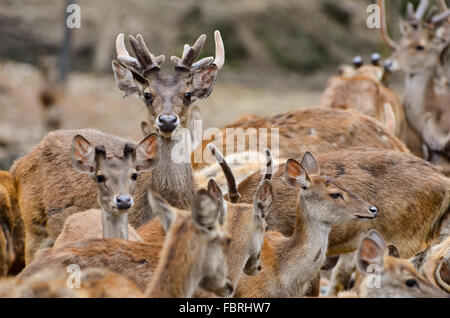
{"points": [[123, 202], [167, 123], [388, 66], [373, 210]]}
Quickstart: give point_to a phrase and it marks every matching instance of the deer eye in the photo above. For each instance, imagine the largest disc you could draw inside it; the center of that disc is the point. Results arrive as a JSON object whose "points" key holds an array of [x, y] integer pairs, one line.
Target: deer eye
{"points": [[148, 97], [134, 176], [335, 196], [188, 95], [420, 48], [100, 178], [411, 283], [228, 241]]}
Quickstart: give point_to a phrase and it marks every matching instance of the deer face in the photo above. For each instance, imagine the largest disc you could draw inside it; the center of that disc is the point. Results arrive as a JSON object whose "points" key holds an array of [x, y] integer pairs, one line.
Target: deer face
{"points": [[167, 97], [326, 198], [261, 206], [115, 177], [392, 277]]}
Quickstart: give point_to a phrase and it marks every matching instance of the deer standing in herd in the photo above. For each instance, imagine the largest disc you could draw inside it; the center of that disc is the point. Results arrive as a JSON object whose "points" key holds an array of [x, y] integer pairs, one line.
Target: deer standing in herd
{"points": [[132, 218]]}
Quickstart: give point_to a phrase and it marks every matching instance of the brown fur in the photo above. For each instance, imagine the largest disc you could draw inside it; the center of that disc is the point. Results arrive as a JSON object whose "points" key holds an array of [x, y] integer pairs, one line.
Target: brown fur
{"points": [[11, 228], [183, 251], [412, 198], [316, 129], [367, 95], [52, 283], [64, 191], [87, 224]]}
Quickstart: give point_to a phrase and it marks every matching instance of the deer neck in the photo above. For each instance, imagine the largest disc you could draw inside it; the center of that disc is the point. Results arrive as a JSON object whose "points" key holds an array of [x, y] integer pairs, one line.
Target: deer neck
{"points": [[172, 177], [114, 225], [304, 252], [176, 275], [419, 91]]}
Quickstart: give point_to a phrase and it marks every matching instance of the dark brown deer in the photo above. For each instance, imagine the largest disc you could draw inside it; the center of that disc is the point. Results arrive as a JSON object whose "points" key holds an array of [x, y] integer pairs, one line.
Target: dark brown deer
{"points": [[47, 195]]}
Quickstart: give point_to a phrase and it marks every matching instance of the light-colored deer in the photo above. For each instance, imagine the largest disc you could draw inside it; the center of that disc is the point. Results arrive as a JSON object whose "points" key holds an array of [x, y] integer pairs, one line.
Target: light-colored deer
{"points": [[46, 202], [290, 263], [387, 276], [417, 55], [192, 257], [364, 91], [116, 178]]}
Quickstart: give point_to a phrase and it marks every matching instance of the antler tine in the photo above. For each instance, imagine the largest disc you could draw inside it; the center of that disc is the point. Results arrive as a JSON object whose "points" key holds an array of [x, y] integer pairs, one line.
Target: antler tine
{"points": [[143, 55], [410, 15], [383, 29], [190, 54], [442, 5], [440, 17], [121, 49], [431, 13], [421, 9], [220, 50]]}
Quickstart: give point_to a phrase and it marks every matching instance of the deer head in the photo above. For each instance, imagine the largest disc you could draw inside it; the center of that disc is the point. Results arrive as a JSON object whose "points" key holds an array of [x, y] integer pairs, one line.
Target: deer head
{"points": [[322, 195], [115, 177], [167, 97], [195, 249], [393, 277]]}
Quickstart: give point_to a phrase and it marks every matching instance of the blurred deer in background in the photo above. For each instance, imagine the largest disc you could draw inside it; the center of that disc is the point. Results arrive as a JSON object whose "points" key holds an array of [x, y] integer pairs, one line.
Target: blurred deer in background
{"points": [[417, 55], [51, 93]]}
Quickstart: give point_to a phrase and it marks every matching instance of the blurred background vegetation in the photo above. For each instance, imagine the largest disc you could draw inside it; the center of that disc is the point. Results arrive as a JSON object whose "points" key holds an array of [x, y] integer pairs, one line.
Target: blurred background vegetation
{"points": [[279, 55]]}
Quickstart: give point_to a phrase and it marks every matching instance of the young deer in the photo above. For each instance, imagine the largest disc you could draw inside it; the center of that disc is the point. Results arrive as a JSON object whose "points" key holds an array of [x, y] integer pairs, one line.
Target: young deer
{"points": [[412, 197], [47, 194], [418, 57], [11, 229], [245, 223], [290, 263], [192, 257], [116, 181], [388, 276]]}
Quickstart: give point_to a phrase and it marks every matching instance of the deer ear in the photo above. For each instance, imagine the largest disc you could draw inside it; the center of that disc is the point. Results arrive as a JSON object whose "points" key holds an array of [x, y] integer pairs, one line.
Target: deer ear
{"points": [[125, 80], [389, 118], [263, 199], [443, 273], [205, 210], [420, 258], [145, 128], [146, 152], [83, 155], [371, 252], [216, 193], [162, 209], [295, 175], [203, 80], [310, 164]]}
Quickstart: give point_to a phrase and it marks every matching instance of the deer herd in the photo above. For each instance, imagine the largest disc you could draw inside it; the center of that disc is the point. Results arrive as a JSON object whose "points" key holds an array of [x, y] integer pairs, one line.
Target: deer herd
{"points": [[359, 184]]}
